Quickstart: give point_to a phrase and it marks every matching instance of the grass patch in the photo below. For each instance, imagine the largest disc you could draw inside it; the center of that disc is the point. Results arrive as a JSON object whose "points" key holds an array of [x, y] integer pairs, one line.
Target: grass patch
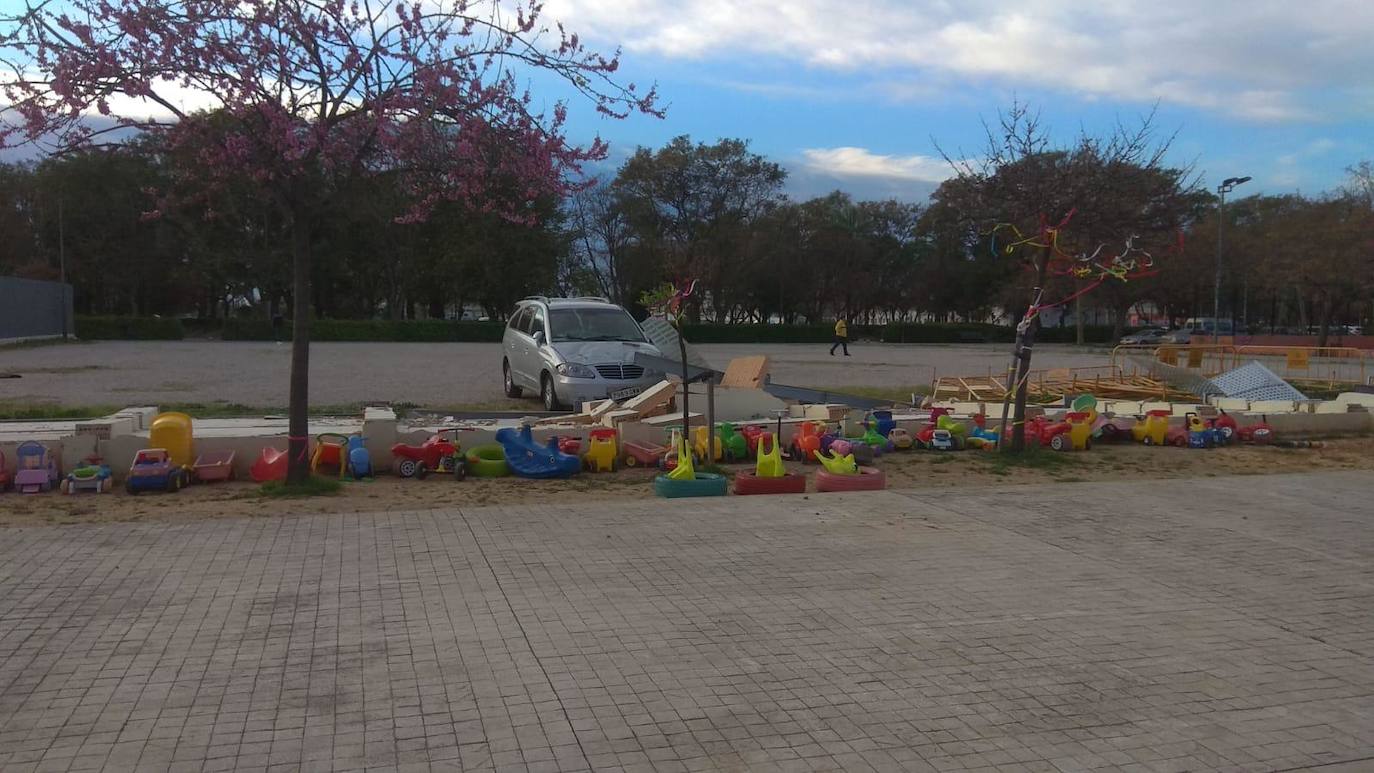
{"points": [[314, 486], [13, 410], [898, 394], [19, 410], [1003, 462], [41, 343]]}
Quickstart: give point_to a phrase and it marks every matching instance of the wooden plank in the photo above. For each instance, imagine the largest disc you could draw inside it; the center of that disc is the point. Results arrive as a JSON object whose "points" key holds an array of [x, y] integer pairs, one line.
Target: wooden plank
{"points": [[602, 408], [654, 397], [613, 418], [746, 372]]}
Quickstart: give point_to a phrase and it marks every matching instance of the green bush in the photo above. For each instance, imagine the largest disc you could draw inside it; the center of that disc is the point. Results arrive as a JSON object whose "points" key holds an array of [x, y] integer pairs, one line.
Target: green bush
{"points": [[1092, 334], [946, 333], [129, 328], [429, 330], [769, 334]]}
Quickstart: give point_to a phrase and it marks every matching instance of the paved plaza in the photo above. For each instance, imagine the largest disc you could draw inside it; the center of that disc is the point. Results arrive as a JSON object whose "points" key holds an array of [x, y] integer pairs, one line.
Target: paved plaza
{"points": [[1222, 623]]}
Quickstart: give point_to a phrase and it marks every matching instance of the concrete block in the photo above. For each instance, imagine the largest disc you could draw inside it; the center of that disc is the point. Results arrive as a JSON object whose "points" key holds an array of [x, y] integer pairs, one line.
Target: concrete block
{"points": [[142, 416], [379, 435]]}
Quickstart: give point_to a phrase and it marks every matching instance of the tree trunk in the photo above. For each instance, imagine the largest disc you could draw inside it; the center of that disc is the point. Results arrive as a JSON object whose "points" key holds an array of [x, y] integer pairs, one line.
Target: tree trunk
{"points": [[1324, 308], [1078, 336], [1025, 344], [298, 467], [682, 350]]}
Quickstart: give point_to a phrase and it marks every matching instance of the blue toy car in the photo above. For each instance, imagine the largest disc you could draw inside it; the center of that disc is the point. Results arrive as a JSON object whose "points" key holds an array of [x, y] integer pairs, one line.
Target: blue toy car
{"points": [[153, 470]]}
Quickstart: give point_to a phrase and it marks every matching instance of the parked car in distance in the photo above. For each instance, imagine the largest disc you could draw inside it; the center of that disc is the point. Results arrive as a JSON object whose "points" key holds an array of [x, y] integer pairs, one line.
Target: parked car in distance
{"points": [[1177, 337], [1144, 336], [572, 350]]}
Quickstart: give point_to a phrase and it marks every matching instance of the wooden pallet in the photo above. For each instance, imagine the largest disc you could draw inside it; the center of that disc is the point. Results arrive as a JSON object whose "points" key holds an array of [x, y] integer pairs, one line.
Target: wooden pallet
{"points": [[1053, 385]]}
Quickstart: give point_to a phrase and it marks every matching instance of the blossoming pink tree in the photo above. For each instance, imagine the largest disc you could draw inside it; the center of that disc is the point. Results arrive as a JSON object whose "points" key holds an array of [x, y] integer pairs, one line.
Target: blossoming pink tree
{"points": [[315, 92]]}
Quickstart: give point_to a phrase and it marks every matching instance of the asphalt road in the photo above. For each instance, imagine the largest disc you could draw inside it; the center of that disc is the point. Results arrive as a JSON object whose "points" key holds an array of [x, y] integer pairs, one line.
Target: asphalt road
{"points": [[439, 375]]}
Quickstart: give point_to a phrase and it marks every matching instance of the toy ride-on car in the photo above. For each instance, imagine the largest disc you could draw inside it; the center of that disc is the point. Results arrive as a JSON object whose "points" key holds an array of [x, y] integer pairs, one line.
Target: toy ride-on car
{"points": [[153, 470], [441, 452], [91, 476]]}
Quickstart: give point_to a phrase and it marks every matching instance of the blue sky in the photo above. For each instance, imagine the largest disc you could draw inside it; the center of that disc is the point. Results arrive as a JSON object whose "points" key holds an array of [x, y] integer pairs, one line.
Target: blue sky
{"points": [[854, 95]]}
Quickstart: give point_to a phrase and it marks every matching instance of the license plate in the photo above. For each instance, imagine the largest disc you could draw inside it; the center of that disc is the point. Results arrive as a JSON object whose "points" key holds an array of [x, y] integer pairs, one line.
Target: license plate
{"points": [[621, 394]]}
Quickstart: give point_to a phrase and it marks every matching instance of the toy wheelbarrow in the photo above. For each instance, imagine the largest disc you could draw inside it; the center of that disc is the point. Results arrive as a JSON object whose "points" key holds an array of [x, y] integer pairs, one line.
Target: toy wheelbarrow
{"points": [[214, 465]]}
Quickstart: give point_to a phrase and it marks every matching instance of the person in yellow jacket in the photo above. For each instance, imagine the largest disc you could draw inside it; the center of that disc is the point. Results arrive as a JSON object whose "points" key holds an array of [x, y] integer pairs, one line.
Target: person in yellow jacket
{"points": [[841, 337]]}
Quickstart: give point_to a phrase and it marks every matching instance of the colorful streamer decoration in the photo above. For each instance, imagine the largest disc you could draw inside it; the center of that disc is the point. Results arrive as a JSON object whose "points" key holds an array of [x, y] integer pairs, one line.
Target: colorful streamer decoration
{"points": [[1100, 265]]}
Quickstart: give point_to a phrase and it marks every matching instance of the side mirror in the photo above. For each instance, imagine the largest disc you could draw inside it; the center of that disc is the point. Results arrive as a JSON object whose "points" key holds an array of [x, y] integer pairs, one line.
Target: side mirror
{"points": [[538, 337]]}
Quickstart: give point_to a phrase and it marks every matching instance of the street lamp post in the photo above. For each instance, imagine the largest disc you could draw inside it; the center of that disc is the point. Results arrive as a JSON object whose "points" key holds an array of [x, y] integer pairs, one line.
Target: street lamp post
{"points": [[1227, 185]]}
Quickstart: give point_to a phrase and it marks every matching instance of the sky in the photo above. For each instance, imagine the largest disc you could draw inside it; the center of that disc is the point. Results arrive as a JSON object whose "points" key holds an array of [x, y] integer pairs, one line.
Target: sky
{"points": [[861, 95]]}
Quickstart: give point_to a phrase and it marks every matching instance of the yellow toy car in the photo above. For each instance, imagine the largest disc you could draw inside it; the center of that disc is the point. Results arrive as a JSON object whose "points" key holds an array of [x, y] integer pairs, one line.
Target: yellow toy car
{"points": [[1152, 428]]}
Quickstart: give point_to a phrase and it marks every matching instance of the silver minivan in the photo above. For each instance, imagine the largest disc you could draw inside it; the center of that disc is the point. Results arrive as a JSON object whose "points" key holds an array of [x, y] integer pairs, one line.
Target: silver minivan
{"points": [[571, 350]]}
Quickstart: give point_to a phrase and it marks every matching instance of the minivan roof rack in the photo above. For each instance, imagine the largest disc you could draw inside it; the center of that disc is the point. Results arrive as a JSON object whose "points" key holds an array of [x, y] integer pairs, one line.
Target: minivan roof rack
{"points": [[543, 298]]}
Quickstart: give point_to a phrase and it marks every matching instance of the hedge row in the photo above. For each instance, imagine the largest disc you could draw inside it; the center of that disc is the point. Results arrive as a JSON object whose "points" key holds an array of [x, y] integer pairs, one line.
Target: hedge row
{"points": [[438, 331], [366, 330], [129, 328]]}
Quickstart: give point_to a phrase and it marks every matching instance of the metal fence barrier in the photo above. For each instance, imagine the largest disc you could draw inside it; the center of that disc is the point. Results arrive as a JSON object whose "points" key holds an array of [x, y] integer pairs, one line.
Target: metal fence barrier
{"points": [[31, 308]]}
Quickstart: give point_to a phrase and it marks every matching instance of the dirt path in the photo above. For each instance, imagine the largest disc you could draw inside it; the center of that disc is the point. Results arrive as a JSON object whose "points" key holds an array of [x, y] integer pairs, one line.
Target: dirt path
{"points": [[970, 469]]}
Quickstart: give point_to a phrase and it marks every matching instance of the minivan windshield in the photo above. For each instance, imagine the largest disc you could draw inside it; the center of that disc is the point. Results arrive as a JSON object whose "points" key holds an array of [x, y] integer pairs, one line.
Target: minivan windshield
{"points": [[593, 324]]}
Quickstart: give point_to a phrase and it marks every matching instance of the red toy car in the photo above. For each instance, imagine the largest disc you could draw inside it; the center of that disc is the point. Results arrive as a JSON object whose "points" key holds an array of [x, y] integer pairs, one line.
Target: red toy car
{"points": [[441, 452], [1260, 433], [1045, 433]]}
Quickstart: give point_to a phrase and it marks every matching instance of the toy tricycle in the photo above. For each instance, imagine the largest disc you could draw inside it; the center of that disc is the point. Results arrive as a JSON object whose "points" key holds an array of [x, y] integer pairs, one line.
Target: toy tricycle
{"points": [[153, 470], [1196, 433], [441, 452], [981, 436], [642, 454], [1110, 428], [92, 476], [941, 432], [38, 470]]}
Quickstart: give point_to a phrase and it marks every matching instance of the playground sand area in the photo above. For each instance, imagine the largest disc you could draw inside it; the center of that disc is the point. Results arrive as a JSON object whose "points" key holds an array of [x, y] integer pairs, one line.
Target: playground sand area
{"points": [[905, 470]]}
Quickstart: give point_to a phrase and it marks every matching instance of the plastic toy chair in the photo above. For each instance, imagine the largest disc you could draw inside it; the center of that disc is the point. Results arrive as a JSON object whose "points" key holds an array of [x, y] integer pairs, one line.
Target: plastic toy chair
{"points": [[601, 450], [839, 465], [684, 469], [884, 422], [329, 450], [358, 458], [807, 443], [271, 465], [769, 464]]}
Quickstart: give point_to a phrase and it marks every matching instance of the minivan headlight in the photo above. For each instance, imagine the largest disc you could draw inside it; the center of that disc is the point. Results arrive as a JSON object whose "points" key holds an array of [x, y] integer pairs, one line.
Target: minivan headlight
{"points": [[575, 370]]}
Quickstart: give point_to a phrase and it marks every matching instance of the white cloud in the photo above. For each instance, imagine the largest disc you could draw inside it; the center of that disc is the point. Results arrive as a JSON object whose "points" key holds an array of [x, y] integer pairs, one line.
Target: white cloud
{"points": [[849, 162], [1256, 61]]}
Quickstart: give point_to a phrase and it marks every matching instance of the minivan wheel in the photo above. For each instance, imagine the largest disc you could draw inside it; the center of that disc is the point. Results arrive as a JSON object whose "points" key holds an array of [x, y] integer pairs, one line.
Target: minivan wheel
{"points": [[511, 389], [548, 394]]}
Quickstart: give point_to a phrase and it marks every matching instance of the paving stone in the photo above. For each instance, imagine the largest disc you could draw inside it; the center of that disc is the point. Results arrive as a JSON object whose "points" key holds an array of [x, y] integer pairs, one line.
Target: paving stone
{"points": [[1211, 624]]}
